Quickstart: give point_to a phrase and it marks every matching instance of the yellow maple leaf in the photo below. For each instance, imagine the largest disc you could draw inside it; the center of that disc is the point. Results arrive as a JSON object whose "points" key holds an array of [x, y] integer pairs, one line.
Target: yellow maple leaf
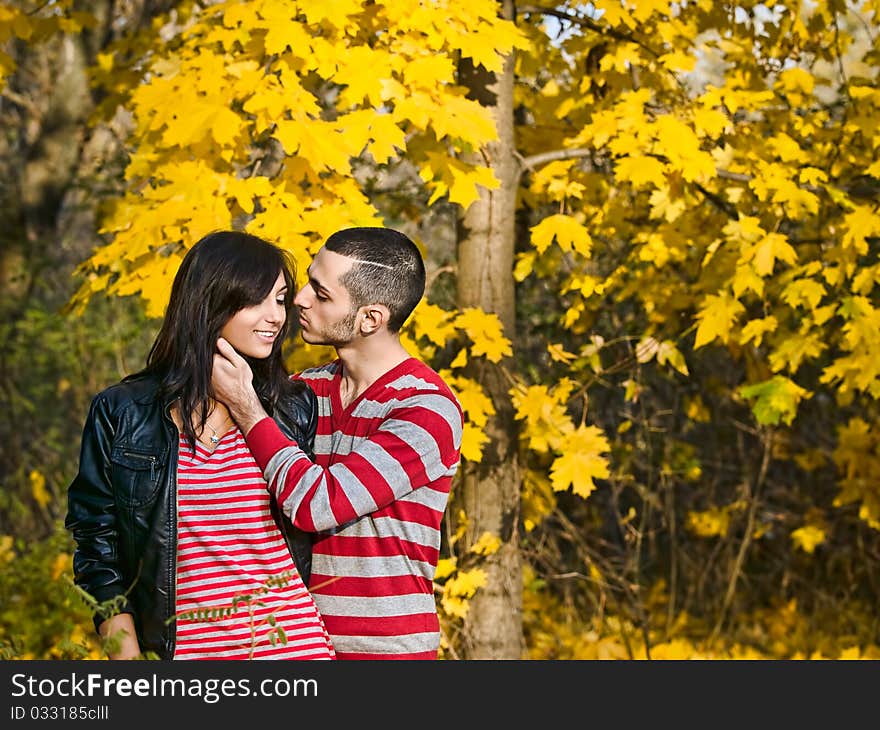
{"points": [[485, 332], [667, 352], [745, 229], [433, 322], [771, 247], [640, 170], [581, 461], [775, 399], [860, 224], [428, 72], [678, 61], [156, 276], [473, 439], [808, 538], [568, 232], [459, 588], [800, 292], [463, 188], [185, 128], [282, 30], [487, 544], [745, 278], [710, 122], [445, 567], [755, 330], [318, 142], [786, 148], [387, 138], [477, 406], [362, 74], [558, 353], [716, 317], [417, 107], [484, 44], [664, 206], [226, 125], [460, 360], [462, 118]]}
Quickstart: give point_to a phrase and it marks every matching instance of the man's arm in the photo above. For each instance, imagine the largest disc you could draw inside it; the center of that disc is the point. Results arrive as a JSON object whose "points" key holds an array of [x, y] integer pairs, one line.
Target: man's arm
{"points": [[417, 443]]}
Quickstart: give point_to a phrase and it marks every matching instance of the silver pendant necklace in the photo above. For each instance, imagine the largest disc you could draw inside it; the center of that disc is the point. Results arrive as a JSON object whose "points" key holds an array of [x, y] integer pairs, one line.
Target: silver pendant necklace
{"points": [[214, 438]]}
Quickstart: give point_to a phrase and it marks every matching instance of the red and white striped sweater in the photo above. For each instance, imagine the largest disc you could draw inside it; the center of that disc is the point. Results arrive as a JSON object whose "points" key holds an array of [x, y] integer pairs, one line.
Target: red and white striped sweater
{"points": [[375, 495], [236, 582]]}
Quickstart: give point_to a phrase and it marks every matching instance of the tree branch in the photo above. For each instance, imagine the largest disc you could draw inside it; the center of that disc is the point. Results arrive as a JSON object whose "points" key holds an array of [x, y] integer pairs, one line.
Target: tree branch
{"points": [[542, 158]]}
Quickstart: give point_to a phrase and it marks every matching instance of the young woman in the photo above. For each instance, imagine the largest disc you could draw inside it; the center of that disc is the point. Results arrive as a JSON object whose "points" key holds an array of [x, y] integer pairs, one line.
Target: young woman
{"points": [[173, 523]]}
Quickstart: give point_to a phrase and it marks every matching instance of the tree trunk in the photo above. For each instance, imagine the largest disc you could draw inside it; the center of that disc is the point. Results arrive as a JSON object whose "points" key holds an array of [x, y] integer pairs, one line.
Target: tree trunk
{"points": [[489, 491]]}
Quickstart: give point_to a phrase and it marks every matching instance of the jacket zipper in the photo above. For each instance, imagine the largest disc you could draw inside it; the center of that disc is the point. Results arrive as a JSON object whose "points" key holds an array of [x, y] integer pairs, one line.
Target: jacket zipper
{"points": [[173, 462], [144, 457]]}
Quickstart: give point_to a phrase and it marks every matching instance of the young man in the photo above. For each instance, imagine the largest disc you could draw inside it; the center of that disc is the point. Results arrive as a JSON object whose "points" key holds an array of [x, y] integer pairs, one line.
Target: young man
{"points": [[387, 446]]}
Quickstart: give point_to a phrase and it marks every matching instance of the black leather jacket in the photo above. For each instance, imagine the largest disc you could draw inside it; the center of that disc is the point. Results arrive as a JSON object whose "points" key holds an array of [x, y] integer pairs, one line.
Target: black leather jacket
{"points": [[122, 504]]}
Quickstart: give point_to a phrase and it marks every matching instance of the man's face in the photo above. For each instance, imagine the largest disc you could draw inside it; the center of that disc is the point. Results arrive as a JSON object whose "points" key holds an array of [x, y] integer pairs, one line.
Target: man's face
{"points": [[326, 315]]}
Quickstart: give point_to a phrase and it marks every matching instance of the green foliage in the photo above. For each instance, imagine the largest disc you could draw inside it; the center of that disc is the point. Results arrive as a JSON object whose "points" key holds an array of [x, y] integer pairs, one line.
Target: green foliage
{"points": [[52, 366], [42, 616]]}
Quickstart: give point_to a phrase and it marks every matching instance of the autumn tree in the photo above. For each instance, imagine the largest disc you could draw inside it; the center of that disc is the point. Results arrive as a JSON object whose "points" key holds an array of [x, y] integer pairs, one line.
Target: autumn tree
{"points": [[703, 179], [665, 338], [55, 166]]}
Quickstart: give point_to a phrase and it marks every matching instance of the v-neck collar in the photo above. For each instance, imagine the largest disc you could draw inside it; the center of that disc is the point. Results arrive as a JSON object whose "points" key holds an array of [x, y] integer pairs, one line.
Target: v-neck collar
{"points": [[341, 414]]}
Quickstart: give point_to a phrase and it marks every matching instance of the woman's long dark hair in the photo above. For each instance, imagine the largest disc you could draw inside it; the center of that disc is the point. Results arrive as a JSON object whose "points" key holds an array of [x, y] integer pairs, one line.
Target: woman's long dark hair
{"points": [[221, 274]]}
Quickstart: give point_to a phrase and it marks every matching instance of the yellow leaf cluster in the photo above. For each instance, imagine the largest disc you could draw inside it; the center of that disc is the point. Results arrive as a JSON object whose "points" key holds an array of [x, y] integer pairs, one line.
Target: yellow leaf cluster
{"points": [[487, 544], [38, 488], [458, 589], [485, 332], [6, 551], [858, 463], [543, 410], [713, 522], [477, 408], [582, 460], [242, 73], [537, 499]]}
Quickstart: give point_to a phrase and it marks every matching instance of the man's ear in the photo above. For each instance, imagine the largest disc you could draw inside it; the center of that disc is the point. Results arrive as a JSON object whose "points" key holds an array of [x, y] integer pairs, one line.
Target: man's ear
{"points": [[372, 318]]}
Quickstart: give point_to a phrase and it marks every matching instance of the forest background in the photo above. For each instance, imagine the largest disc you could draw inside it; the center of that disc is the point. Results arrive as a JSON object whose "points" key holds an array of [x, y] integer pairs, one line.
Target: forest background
{"points": [[652, 236]]}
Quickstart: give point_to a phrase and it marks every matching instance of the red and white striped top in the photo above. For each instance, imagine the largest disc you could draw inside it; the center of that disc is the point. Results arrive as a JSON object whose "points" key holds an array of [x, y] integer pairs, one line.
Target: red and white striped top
{"points": [[237, 584], [375, 495]]}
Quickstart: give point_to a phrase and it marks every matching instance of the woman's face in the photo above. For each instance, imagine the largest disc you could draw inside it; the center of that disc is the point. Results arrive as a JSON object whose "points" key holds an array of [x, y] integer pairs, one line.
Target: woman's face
{"points": [[253, 330]]}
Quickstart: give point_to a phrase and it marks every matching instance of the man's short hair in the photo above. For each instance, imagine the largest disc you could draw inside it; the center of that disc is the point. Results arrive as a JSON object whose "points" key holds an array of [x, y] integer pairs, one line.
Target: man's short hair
{"points": [[388, 270]]}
